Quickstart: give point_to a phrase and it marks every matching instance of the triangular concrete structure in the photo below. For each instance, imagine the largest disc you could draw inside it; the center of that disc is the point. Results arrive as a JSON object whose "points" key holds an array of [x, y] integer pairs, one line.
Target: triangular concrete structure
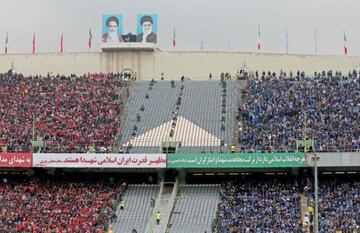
{"points": [[185, 132]]}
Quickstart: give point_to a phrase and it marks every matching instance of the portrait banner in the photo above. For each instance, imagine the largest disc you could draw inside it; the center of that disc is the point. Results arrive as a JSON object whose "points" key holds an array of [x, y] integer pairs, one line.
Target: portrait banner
{"points": [[112, 28], [147, 28]]}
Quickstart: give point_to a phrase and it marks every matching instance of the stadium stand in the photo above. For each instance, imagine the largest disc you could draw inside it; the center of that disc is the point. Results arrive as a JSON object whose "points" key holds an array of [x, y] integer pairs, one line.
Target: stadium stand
{"points": [[199, 114], [82, 114], [195, 209], [138, 210], [87, 203], [44, 204], [254, 205], [96, 113], [66, 113], [277, 110], [339, 205]]}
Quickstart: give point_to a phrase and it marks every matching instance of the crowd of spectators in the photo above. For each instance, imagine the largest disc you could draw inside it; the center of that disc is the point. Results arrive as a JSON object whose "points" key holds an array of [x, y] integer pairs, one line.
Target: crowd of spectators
{"points": [[65, 113], [280, 109], [259, 206], [339, 206], [83, 113], [58, 205]]}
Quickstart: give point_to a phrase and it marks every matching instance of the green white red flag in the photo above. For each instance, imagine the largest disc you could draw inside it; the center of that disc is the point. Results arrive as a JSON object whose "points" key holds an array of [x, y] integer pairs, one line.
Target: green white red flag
{"points": [[174, 39], [90, 39], [33, 44], [259, 42], [345, 46], [62, 43], [6, 43]]}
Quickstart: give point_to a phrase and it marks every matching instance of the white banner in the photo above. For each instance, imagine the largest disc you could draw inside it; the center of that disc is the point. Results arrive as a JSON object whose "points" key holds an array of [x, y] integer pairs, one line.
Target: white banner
{"points": [[127, 46], [100, 160]]}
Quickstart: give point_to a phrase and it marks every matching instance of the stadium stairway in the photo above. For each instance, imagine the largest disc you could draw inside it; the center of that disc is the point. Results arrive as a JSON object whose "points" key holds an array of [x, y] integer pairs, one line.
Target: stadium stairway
{"points": [[137, 211], [304, 205], [164, 204], [123, 93], [240, 86], [195, 209]]}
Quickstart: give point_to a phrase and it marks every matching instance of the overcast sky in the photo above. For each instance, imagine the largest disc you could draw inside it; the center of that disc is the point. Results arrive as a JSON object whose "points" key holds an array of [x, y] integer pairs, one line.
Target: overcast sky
{"points": [[217, 19]]}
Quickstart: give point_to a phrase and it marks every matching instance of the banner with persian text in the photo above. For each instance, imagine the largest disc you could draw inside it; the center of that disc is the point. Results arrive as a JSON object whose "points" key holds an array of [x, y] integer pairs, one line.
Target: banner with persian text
{"points": [[248, 160], [100, 160], [15, 160]]}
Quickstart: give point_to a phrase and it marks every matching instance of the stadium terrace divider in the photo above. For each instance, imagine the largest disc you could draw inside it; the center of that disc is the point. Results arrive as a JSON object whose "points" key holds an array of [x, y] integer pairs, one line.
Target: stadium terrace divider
{"points": [[15, 159], [100, 160], [248, 160]]}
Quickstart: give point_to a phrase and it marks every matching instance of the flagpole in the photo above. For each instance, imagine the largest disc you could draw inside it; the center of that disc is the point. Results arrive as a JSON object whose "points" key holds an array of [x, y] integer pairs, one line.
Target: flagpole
{"points": [[6, 43], [33, 44], [345, 44], [259, 38], [62, 43], [287, 42], [202, 39], [230, 37], [174, 39], [315, 41], [89, 40]]}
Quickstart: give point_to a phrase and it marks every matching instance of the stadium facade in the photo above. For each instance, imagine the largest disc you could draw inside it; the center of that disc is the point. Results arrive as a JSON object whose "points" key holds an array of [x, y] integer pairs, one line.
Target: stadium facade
{"points": [[151, 64]]}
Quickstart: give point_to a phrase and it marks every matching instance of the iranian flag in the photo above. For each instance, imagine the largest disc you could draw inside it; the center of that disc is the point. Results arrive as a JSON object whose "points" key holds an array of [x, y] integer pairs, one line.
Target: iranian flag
{"points": [[62, 43], [174, 38], [33, 44], [345, 46], [90, 39], [259, 43], [6, 43]]}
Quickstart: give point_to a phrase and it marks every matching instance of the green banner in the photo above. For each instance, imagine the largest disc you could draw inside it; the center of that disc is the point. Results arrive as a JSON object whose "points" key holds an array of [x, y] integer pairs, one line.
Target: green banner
{"points": [[248, 160]]}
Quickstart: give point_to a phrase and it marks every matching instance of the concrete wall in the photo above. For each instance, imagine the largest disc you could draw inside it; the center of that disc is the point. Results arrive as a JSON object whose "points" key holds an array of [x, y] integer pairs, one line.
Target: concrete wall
{"points": [[56, 63], [148, 64], [200, 64]]}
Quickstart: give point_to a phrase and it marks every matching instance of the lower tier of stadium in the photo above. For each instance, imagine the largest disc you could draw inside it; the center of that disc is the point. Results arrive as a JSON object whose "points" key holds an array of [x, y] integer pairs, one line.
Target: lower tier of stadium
{"points": [[63, 200]]}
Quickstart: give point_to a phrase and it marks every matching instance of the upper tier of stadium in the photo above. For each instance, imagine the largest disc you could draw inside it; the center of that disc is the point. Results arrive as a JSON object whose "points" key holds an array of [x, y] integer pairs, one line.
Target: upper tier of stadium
{"points": [[106, 113]]}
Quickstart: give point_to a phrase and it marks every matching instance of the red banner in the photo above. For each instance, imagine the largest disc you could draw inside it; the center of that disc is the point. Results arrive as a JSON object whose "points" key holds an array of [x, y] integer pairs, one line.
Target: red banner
{"points": [[15, 159]]}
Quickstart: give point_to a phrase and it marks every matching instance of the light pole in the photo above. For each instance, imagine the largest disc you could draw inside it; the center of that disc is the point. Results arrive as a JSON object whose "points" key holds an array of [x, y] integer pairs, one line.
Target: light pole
{"points": [[315, 159]]}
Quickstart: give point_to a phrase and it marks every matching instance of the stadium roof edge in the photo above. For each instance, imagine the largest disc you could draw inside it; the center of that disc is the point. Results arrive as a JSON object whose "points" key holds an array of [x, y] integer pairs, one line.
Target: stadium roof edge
{"points": [[186, 51], [260, 53]]}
